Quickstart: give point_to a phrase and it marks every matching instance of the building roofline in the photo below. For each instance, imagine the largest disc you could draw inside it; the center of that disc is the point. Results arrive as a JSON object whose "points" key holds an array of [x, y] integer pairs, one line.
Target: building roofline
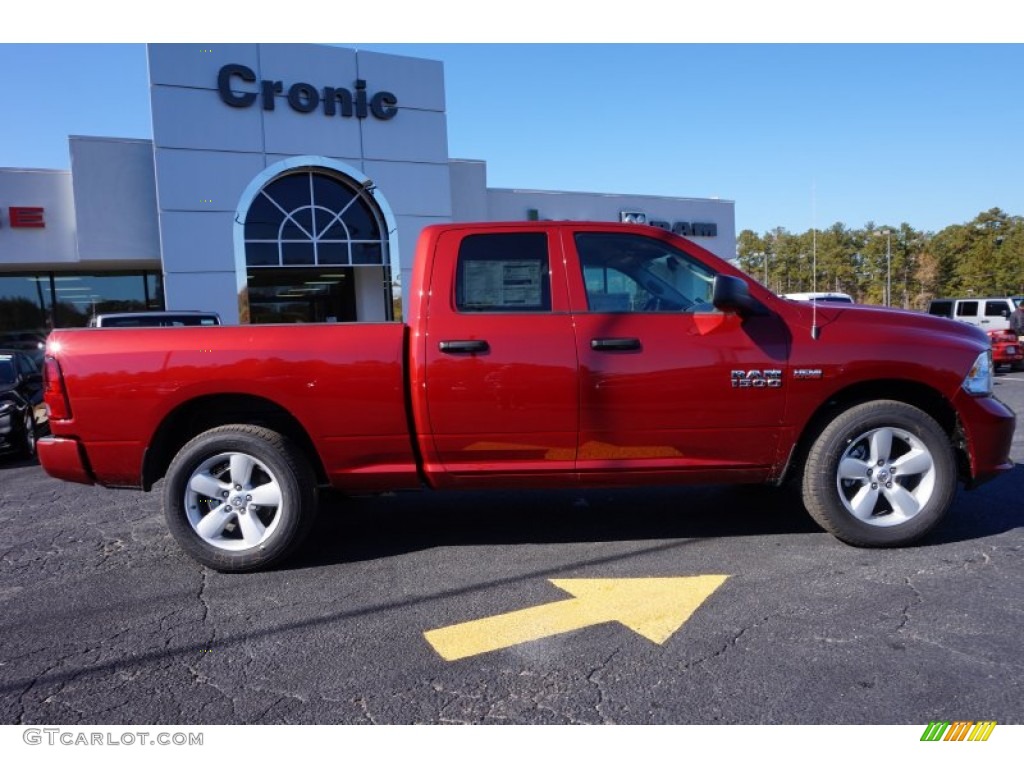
{"points": [[110, 138], [35, 170], [611, 194]]}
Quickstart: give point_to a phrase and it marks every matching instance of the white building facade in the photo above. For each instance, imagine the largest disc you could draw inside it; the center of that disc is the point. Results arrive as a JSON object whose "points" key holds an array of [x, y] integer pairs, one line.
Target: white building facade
{"points": [[282, 183]]}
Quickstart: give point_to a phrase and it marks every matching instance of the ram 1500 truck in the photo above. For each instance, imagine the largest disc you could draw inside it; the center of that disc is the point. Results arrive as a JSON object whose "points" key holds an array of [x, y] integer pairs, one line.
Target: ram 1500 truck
{"points": [[536, 354]]}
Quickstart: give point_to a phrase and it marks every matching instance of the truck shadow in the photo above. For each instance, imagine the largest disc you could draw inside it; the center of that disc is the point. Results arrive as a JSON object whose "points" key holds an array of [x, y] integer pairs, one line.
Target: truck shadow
{"points": [[351, 529], [364, 528], [986, 511]]}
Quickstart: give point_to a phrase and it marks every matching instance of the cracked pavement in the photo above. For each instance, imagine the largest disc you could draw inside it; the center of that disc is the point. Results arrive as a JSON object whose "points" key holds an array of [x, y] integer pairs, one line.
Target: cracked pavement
{"points": [[104, 621]]}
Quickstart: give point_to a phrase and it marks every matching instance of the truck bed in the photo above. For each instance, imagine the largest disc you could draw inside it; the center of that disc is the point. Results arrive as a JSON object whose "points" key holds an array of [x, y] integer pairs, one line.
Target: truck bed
{"points": [[133, 389]]}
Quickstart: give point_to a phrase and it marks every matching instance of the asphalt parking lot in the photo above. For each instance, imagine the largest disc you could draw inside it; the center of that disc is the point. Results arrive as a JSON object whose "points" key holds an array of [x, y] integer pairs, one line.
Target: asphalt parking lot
{"points": [[104, 621]]}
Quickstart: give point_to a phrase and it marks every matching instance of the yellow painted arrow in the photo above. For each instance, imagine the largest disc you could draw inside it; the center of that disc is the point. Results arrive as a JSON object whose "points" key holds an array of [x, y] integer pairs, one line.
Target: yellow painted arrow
{"points": [[654, 608]]}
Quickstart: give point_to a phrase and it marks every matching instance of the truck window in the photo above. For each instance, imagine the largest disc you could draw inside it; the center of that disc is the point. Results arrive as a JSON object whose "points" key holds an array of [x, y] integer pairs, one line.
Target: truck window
{"points": [[633, 273], [503, 272]]}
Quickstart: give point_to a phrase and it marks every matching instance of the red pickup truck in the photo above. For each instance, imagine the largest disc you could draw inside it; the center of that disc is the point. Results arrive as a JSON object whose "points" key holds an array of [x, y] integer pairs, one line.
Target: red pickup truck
{"points": [[536, 354]]}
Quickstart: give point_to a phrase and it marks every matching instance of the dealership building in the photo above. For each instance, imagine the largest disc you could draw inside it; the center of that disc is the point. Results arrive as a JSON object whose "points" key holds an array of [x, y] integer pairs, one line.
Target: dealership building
{"points": [[282, 183]]}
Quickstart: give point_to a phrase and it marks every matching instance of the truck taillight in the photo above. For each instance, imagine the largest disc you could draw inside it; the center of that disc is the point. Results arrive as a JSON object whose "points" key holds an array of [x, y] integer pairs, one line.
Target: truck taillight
{"points": [[54, 393]]}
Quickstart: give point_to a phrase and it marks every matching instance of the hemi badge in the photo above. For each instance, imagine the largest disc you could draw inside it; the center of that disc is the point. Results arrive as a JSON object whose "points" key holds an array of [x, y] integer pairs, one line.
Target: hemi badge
{"points": [[807, 373]]}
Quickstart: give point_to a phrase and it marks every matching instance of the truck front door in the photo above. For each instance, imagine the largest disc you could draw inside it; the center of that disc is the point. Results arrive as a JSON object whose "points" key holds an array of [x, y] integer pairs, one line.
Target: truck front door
{"points": [[668, 384]]}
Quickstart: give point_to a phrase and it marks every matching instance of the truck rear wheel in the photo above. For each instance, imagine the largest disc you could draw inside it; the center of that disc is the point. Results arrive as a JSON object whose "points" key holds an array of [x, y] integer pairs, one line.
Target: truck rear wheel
{"points": [[881, 474], [239, 498]]}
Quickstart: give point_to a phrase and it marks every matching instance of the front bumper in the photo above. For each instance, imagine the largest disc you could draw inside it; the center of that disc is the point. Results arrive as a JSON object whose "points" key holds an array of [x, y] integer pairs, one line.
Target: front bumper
{"points": [[987, 426]]}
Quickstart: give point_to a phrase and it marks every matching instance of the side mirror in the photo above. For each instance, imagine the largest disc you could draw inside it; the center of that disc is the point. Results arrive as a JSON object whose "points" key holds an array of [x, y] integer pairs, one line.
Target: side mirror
{"points": [[730, 294]]}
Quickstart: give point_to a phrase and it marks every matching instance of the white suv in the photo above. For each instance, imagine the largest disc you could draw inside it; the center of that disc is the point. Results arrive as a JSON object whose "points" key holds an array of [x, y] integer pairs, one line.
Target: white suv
{"points": [[989, 314]]}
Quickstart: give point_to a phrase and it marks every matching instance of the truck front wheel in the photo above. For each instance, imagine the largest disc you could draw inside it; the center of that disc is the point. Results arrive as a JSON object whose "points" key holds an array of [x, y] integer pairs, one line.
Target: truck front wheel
{"points": [[239, 498], [881, 474]]}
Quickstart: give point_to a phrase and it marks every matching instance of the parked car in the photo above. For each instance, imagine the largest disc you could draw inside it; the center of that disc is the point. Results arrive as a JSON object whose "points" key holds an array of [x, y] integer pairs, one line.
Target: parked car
{"points": [[22, 413], [990, 313], [154, 319], [1007, 350], [839, 298]]}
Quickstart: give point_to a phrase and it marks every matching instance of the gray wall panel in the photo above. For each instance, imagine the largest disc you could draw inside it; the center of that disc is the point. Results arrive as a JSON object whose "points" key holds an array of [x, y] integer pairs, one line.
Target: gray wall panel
{"points": [[413, 189], [469, 190], [206, 291], [204, 181], [288, 132], [196, 65], [317, 65], [115, 199], [420, 137], [198, 241], [189, 118], [418, 83]]}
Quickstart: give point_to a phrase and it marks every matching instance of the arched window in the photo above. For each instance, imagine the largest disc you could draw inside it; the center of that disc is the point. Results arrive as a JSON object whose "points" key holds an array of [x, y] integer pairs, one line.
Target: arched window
{"points": [[312, 217]]}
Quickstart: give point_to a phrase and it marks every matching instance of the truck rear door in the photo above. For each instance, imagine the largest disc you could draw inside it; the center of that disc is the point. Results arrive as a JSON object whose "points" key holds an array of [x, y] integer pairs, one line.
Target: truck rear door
{"points": [[500, 379], [668, 384]]}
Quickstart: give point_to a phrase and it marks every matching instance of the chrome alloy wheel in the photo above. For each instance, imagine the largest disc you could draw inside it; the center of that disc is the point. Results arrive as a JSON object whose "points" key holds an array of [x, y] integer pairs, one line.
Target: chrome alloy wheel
{"points": [[233, 501], [886, 476]]}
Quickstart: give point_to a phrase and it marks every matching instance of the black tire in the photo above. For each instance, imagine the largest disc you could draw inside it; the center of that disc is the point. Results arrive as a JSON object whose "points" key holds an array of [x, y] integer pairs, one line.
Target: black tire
{"points": [[27, 448], [240, 498], [881, 474]]}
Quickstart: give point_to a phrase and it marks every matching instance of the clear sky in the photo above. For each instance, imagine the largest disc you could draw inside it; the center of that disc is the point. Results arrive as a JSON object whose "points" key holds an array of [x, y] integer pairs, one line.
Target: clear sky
{"points": [[796, 134]]}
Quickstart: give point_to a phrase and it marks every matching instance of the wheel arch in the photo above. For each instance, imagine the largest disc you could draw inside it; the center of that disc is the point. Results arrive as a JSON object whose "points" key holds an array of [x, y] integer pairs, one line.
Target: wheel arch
{"points": [[203, 413], [916, 394]]}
